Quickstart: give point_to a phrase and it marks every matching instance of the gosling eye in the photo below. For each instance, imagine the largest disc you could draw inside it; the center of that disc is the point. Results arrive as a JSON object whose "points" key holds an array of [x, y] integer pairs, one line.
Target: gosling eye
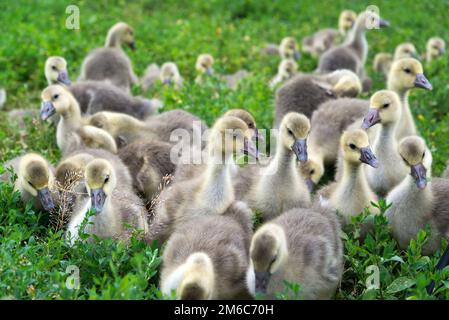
{"points": [[423, 154], [56, 96], [312, 171], [290, 132], [407, 70], [352, 146], [53, 67], [29, 182], [251, 125], [106, 180], [386, 105]]}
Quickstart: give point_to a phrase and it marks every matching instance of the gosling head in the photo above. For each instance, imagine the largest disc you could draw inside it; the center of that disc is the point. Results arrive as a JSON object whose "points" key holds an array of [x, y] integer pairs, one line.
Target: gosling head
{"points": [[436, 47], [415, 154], [287, 68], [406, 74], [268, 252], [35, 176], [169, 73], [311, 171], [405, 50], [247, 117], [289, 49], [356, 148], [231, 135], [55, 99], [198, 282], [56, 71], [385, 107], [371, 20], [346, 21], [346, 83], [122, 33], [100, 182], [204, 64], [294, 130]]}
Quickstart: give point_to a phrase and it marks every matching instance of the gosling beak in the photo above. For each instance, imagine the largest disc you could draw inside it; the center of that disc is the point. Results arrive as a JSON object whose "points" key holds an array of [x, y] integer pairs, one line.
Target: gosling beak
{"points": [[416, 56], [167, 82], [250, 149], [441, 51], [383, 23], [63, 77], [132, 45], [300, 149], [47, 110], [98, 198], [296, 54], [368, 157], [310, 185], [210, 71], [418, 172], [262, 279], [45, 198], [371, 118], [422, 82]]}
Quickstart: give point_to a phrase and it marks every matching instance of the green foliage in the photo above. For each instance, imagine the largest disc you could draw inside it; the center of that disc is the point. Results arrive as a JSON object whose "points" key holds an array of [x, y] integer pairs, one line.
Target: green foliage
{"points": [[34, 258]]}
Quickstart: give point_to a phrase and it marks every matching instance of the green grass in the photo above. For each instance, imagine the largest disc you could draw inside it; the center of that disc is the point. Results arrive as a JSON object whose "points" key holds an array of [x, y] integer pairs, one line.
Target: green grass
{"points": [[34, 258]]}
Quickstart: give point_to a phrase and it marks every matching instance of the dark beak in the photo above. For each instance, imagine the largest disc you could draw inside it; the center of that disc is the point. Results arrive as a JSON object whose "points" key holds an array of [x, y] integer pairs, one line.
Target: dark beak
{"points": [[47, 110], [132, 45], [422, 82], [250, 149], [383, 23], [63, 77], [98, 198], [262, 280], [371, 118], [300, 149], [167, 82], [45, 198], [368, 157], [210, 71], [296, 55], [441, 51], [310, 185], [418, 172]]}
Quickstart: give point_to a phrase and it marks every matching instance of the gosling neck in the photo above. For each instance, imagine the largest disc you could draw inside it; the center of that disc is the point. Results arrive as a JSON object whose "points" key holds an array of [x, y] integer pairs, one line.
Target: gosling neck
{"points": [[285, 160], [72, 116], [353, 180], [357, 40], [113, 40], [386, 137], [217, 190]]}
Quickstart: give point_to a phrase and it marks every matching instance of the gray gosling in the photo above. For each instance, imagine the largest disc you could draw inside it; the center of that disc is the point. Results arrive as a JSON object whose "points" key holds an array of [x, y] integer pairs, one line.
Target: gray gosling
{"points": [[210, 193], [419, 200], [95, 96], [281, 174], [207, 258], [324, 39], [35, 180], [72, 132], [435, 48], [168, 75], [111, 63], [301, 246], [351, 194], [118, 211]]}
